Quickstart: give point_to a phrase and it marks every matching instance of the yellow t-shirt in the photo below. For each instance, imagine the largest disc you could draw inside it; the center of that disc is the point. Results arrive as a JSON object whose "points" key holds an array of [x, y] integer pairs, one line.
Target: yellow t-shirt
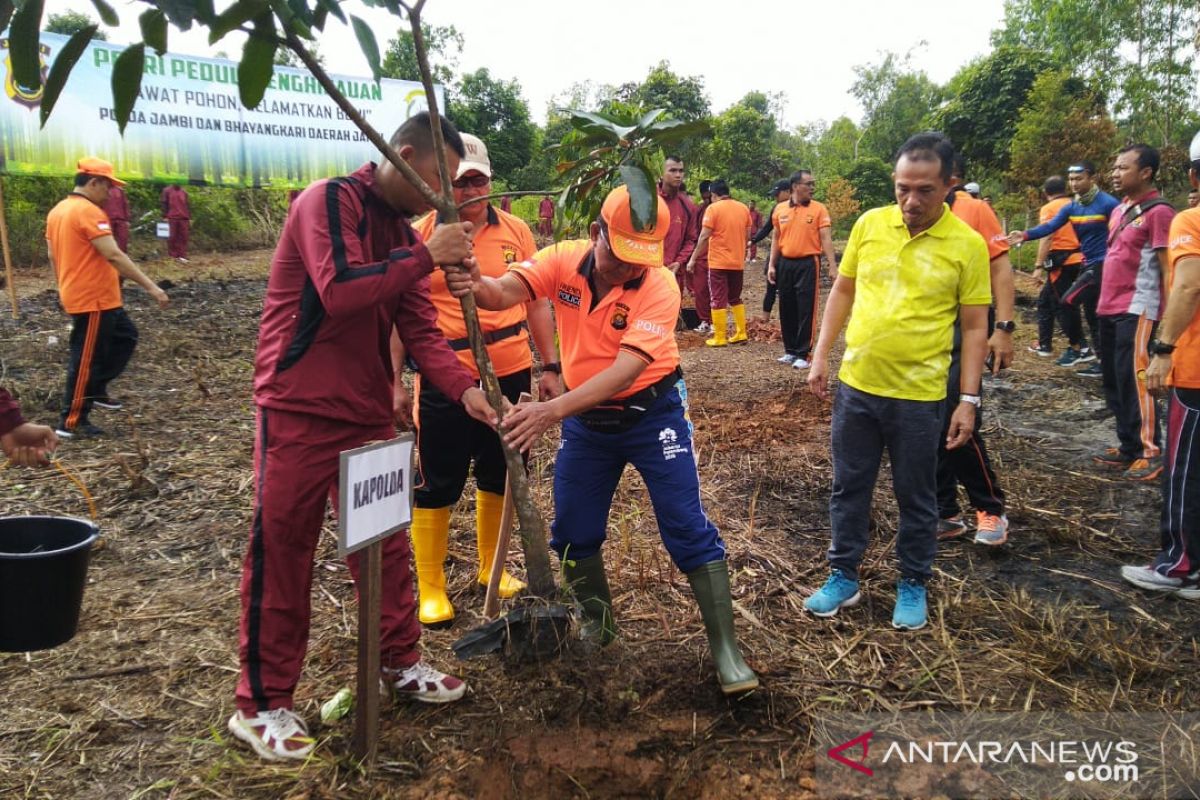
{"points": [[908, 290]]}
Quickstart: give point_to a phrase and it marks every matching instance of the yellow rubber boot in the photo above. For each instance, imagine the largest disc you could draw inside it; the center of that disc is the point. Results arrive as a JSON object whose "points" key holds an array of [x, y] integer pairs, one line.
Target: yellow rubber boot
{"points": [[488, 510], [430, 532], [719, 316], [739, 324]]}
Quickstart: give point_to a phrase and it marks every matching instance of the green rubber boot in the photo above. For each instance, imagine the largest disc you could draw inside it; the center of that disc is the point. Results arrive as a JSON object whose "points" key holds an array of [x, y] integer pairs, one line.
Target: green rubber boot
{"points": [[589, 584], [710, 584]]}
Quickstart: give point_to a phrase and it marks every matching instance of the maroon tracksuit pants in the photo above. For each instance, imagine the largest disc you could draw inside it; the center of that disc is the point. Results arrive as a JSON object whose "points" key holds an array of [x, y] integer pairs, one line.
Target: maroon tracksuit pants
{"points": [[295, 470], [120, 230], [701, 293], [177, 237]]}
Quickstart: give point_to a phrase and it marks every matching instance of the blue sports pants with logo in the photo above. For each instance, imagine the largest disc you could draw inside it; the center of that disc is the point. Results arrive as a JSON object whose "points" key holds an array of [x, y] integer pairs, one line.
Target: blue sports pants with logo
{"points": [[659, 445]]}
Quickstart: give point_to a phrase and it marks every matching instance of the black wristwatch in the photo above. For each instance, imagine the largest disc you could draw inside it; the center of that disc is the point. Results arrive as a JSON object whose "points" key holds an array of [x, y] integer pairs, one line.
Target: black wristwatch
{"points": [[1161, 348], [553, 366], [1008, 326]]}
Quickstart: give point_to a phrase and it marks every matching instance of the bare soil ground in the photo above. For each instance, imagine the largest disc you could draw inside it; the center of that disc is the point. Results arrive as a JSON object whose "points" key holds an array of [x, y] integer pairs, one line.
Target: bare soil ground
{"points": [[135, 705]]}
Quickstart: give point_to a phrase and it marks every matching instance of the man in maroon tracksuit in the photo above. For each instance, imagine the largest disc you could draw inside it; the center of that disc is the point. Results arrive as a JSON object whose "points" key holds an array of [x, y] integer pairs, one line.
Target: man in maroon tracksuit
{"points": [[699, 274], [117, 209], [347, 269], [681, 236], [178, 214], [546, 217], [23, 443]]}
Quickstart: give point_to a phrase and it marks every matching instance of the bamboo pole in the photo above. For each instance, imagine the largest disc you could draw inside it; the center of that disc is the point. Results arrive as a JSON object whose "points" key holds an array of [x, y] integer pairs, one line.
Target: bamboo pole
{"points": [[8, 267]]}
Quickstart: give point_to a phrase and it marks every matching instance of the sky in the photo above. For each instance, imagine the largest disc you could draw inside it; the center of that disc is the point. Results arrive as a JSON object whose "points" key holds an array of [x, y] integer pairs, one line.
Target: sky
{"points": [[805, 50]]}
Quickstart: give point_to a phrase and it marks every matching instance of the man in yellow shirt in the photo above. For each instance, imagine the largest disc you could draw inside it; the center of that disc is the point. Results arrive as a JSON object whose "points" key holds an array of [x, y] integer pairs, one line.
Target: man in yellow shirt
{"points": [[909, 270]]}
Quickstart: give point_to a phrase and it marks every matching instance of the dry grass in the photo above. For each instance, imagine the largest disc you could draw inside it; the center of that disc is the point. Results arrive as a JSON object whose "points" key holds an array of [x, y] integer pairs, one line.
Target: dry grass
{"points": [[134, 706]]}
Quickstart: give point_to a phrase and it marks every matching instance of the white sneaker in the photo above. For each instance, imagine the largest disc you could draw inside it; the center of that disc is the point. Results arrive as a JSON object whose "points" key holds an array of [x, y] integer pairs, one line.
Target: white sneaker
{"points": [[276, 735], [703, 327], [423, 682], [786, 358], [801, 363], [1146, 577]]}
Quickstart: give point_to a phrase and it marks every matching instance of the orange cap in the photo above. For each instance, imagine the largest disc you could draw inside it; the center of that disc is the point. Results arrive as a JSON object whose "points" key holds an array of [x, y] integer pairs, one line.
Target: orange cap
{"points": [[628, 243], [98, 167]]}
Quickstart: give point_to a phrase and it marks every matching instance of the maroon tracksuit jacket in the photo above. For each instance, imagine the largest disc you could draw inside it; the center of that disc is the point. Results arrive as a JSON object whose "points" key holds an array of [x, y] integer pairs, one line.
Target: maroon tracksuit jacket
{"points": [[681, 236], [346, 270], [117, 209], [10, 413]]}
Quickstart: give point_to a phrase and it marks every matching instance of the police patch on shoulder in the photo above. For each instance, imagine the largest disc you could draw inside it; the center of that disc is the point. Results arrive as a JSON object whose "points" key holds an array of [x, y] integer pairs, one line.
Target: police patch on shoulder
{"points": [[569, 295]]}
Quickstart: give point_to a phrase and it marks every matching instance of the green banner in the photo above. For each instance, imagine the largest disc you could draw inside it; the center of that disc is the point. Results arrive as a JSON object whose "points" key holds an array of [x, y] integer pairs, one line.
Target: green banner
{"points": [[189, 125]]}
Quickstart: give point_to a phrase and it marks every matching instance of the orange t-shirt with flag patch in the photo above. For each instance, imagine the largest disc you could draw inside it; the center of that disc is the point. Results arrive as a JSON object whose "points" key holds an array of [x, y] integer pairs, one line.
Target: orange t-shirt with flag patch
{"points": [[637, 317], [729, 223], [502, 241], [1064, 238], [86, 281], [980, 216], [1184, 242], [799, 228]]}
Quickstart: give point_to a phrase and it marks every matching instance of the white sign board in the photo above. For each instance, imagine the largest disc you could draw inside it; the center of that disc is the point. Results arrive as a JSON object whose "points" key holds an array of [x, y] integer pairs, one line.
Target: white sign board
{"points": [[376, 492], [162, 230]]}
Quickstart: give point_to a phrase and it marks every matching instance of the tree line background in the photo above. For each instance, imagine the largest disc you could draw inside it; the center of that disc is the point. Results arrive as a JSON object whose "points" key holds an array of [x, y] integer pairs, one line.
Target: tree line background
{"points": [[1063, 80]]}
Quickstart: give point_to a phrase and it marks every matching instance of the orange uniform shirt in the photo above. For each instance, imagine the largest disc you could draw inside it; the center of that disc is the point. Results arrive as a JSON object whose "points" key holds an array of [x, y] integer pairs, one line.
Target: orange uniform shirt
{"points": [[1184, 243], [729, 221], [799, 228], [1064, 238], [638, 317], [504, 240], [980, 216], [86, 281]]}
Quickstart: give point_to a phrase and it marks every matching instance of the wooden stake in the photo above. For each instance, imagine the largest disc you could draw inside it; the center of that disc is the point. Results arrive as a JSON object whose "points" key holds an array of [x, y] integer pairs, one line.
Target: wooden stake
{"points": [[8, 267], [491, 602], [366, 717]]}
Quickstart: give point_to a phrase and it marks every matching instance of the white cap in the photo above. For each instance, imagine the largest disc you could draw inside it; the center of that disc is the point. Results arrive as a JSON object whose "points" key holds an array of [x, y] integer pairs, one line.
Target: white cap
{"points": [[476, 157], [971, 188], [1194, 154]]}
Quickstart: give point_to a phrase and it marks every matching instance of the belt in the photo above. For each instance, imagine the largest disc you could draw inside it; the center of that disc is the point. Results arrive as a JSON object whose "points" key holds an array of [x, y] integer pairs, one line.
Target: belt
{"points": [[618, 416], [640, 401], [491, 337], [799, 258]]}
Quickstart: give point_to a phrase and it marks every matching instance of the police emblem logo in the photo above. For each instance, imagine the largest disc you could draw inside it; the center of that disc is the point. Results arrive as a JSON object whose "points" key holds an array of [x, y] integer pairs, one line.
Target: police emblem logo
{"points": [[29, 97], [620, 317], [510, 253]]}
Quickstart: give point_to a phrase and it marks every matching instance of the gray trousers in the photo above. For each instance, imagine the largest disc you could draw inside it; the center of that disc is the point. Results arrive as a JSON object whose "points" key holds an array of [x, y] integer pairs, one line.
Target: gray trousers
{"points": [[863, 426]]}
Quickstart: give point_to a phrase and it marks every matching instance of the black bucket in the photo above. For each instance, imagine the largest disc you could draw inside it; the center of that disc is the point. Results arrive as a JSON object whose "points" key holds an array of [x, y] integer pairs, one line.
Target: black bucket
{"points": [[43, 570]]}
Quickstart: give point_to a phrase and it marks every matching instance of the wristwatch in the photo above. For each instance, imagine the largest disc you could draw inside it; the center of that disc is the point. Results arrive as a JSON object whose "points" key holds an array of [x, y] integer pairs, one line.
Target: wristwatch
{"points": [[973, 399], [1161, 348], [553, 366], [1008, 326]]}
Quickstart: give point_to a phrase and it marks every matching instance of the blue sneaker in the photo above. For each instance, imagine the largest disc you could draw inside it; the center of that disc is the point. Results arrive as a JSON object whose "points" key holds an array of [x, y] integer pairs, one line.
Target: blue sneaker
{"points": [[1070, 358], [838, 592], [910, 613]]}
